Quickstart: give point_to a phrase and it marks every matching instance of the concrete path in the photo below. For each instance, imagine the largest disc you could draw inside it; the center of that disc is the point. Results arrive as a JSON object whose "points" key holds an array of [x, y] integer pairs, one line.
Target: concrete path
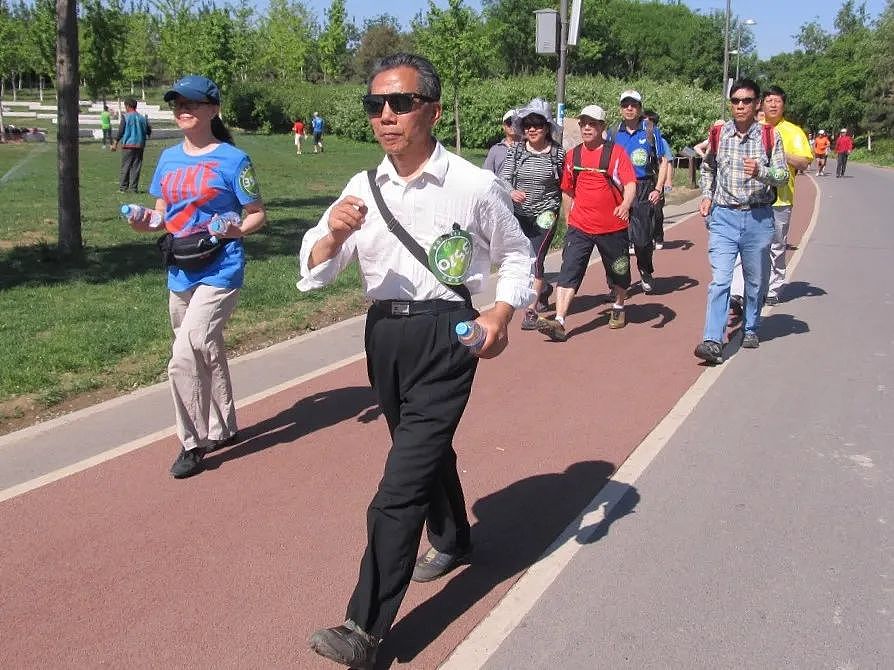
{"points": [[760, 537]]}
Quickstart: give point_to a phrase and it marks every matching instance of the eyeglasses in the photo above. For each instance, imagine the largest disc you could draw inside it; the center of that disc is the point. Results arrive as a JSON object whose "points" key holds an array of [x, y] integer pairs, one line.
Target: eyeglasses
{"points": [[533, 125], [741, 101], [399, 103], [188, 105], [589, 122], [629, 103]]}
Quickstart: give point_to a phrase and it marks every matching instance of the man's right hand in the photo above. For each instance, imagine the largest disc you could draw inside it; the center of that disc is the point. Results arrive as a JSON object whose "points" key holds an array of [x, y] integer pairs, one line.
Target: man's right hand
{"points": [[346, 217], [704, 207], [518, 197]]}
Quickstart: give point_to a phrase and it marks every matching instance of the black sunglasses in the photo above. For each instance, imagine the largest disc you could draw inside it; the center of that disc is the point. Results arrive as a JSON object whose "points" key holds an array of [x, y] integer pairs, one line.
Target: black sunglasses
{"points": [[741, 101], [533, 124], [399, 103]]}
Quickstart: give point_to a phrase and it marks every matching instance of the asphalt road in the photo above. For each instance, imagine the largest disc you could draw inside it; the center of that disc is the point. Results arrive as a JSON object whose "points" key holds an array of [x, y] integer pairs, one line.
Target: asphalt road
{"points": [[761, 536]]}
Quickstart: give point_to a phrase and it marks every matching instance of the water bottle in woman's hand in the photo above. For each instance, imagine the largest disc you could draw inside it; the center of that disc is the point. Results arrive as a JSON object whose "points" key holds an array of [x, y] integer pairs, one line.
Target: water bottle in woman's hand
{"points": [[138, 213], [472, 334], [220, 222]]}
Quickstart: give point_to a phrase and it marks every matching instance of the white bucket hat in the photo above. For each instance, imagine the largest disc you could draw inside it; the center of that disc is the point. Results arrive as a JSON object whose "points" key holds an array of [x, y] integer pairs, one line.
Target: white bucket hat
{"points": [[540, 107]]}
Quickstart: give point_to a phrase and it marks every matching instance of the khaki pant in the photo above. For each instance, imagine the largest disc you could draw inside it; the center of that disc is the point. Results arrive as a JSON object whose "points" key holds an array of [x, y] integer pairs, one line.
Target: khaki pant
{"points": [[198, 371]]}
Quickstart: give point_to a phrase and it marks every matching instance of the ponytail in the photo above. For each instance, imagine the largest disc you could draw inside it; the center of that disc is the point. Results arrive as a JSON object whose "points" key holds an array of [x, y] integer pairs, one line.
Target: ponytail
{"points": [[220, 131]]}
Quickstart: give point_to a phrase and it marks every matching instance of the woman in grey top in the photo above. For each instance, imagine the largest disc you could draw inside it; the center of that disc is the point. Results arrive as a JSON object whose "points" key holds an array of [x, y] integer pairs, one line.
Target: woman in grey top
{"points": [[533, 168]]}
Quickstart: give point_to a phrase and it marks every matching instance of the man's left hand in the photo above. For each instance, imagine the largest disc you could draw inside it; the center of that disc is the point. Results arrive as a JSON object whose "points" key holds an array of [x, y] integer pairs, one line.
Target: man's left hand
{"points": [[496, 321], [654, 196]]}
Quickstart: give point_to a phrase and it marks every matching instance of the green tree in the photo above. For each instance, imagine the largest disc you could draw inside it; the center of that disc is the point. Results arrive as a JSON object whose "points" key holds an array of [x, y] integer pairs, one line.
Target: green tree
{"points": [[285, 40], [511, 26], [332, 44], [880, 91], [812, 38], [380, 37], [139, 58], [102, 46], [456, 42], [41, 36]]}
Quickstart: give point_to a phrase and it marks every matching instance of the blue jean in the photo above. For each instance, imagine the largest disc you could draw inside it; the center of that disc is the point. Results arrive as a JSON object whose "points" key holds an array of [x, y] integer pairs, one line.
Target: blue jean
{"points": [[746, 233]]}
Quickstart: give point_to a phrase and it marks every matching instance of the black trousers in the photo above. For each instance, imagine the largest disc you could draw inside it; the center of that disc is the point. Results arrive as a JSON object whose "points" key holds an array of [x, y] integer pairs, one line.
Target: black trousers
{"points": [[131, 165], [642, 221], [658, 232], [841, 163], [422, 376]]}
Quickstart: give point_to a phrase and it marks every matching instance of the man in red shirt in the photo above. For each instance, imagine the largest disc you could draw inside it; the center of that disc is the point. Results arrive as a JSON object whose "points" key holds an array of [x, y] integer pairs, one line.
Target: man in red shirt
{"points": [[598, 213], [298, 130], [843, 147]]}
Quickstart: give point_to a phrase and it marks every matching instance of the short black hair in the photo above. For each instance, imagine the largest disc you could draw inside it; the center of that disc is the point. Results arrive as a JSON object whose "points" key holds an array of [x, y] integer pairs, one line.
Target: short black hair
{"points": [[652, 116], [745, 83], [130, 103], [775, 90], [429, 81]]}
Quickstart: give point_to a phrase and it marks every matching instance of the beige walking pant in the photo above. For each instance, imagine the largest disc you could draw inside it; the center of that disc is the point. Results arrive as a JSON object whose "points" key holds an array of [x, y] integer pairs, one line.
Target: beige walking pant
{"points": [[198, 371]]}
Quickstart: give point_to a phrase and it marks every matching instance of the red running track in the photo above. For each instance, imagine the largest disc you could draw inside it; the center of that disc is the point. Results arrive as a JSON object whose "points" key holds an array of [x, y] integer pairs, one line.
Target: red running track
{"points": [[121, 566]]}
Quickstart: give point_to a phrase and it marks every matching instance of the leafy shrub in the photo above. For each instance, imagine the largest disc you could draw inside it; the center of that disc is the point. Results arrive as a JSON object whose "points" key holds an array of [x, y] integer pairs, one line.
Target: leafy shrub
{"points": [[686, 110]]}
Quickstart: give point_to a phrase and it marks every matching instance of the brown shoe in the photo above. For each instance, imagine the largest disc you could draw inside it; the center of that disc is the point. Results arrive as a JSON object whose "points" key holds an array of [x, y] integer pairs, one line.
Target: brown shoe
{"points": [[434, 564], [553, 329], [618, 319]]}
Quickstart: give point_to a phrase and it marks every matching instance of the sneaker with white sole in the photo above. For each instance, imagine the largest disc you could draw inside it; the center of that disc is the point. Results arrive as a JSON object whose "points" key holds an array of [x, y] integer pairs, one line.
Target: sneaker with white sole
{"points": [[553, 329], [529, 322], [710, 351], [647, 282], [617, 319]]}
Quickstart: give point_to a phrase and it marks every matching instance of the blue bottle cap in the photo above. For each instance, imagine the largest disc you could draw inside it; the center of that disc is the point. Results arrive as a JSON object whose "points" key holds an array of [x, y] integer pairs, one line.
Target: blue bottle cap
{"points": [[463, 328], [125, 209]]}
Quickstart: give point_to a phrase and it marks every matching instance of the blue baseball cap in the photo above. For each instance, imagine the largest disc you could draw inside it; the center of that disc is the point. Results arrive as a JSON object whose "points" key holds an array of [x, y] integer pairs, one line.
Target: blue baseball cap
{"points": [[194, 87]]}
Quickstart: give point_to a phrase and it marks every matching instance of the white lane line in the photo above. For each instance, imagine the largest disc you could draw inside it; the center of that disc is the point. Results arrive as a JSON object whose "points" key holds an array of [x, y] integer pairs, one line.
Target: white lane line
{"points": [[487, 636], [146, 440], [24, 161]]}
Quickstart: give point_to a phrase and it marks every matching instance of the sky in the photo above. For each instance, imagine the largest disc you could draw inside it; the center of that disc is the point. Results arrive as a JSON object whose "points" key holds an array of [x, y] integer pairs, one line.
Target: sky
{"points": [[777, 20]]}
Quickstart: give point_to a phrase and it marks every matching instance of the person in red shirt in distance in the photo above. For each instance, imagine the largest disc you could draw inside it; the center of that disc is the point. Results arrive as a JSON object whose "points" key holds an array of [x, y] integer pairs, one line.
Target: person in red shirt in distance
{"points": [[599, 210], [843, 147]]}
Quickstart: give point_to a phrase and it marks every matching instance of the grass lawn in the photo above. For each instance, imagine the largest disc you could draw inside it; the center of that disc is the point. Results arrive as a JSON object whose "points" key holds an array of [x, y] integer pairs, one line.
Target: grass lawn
{"points": [[81, 332]]}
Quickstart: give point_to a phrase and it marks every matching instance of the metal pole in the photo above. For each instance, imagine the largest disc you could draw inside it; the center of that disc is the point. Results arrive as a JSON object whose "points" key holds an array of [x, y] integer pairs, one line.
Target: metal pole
{"points": [[560, 80], [738, 51], [725, 60]]}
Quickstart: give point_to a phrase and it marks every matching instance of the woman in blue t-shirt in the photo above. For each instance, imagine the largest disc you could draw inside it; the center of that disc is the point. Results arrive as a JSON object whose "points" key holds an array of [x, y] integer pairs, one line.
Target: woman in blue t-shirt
{"points": [[202, 178]]}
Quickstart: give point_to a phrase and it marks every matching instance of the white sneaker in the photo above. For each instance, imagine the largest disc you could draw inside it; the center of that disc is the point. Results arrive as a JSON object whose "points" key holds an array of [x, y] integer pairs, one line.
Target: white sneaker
{"points": [[631, 251]]}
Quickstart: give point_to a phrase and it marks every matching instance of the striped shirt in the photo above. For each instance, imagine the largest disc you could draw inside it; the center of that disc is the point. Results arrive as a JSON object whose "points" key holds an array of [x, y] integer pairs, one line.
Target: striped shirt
{"points": [[538, 175], [727, 184]]}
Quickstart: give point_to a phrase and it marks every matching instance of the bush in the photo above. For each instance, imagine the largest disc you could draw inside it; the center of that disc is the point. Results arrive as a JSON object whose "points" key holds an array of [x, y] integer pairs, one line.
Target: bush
{"points": [[686, 110]]}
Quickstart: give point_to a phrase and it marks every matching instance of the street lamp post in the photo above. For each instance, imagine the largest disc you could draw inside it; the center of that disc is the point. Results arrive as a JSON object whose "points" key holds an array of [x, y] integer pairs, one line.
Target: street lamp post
{"points": [[746, 22], [725, 59]]}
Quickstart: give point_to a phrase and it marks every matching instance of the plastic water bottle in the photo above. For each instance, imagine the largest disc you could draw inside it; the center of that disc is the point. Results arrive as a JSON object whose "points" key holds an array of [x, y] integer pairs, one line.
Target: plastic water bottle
{"points": [[137, 212], [472, 334], [220, 222]]}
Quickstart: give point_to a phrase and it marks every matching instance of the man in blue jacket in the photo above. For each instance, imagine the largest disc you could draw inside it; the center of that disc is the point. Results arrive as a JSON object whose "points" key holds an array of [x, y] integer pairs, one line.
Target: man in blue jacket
{"points": [[132, 135]]}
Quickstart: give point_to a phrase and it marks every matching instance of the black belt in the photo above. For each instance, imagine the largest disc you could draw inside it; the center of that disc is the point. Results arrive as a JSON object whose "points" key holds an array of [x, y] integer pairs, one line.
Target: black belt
{"points": [[414, 307], [647, 179], [753, 205]]}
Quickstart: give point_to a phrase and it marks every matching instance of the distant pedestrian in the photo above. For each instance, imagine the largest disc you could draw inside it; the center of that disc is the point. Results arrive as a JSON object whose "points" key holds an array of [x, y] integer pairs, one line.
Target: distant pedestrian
{"points": [[195, 180], [701, 149], [821, 144], [105, 124], [843, 147], [533, 169], [421, 374], [497, 153], [599, 179], [318, 125], [738, 184], [643, 143], [133, 132], [298, 130]]}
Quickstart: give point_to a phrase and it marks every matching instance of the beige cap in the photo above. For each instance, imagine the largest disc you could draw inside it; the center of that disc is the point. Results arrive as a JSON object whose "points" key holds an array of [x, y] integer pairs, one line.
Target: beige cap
{"points": [[508, 116], [630, 93], [594, 112]]}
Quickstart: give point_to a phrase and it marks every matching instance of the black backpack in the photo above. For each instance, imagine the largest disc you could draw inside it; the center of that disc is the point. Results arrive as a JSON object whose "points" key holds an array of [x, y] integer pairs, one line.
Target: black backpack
{"points": [[604, 161]]}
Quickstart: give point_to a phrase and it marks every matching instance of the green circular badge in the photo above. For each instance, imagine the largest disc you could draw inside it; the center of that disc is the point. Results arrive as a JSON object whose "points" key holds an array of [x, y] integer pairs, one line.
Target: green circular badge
{"points": [[545, 220], [450, 256], [249, 181]]}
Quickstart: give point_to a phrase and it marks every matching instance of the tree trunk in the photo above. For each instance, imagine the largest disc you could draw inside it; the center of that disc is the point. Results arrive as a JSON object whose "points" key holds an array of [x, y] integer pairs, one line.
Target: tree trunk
{"points": [[459, 145], [12, 81], [40, 89], [70, 242]]}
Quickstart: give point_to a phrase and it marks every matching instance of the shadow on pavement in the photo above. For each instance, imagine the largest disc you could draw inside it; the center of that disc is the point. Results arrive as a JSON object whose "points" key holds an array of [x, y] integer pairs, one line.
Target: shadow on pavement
{"points": [[685, 245], [781, 325], [672, 284], [306, 416], [800, 289], [516, 525]]}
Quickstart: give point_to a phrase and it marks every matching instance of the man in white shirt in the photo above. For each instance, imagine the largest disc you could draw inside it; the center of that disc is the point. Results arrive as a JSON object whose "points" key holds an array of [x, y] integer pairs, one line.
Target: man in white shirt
{"points": [[420, 373]]}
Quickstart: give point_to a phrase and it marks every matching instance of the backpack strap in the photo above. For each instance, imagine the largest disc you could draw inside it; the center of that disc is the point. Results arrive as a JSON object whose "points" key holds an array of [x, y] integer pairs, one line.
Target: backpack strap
{"points": [[576, 163], [604, 162], [407, 240]]}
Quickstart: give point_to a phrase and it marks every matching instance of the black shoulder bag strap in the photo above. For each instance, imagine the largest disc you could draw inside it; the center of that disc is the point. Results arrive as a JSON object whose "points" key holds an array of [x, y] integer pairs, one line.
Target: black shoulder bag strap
{"points": [[604, 162], [406, 239]]}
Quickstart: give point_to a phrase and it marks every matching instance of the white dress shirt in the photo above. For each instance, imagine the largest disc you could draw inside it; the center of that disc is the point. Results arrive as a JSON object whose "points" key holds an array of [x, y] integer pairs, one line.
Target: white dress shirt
{"points": [[449, 190]]}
